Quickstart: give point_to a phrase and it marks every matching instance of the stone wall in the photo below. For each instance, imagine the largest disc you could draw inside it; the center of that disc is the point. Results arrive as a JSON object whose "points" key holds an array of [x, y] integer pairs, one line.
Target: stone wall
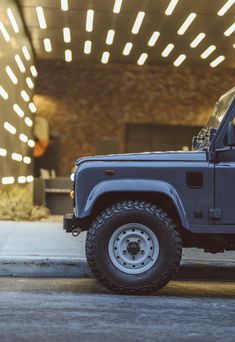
{"points": [[85, 102]]}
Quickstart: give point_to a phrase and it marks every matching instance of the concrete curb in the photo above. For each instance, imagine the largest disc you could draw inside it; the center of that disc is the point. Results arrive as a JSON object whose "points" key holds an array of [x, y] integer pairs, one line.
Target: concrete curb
{"points": [[78, 268]]}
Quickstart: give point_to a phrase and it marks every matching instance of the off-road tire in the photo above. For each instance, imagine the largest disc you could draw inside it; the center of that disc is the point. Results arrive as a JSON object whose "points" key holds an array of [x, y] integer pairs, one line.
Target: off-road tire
{"points": [[105, 224]]}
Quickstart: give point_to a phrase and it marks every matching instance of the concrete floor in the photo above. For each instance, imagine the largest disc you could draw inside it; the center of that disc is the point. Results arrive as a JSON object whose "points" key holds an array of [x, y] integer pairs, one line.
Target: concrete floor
{"points": [[82, 310]]}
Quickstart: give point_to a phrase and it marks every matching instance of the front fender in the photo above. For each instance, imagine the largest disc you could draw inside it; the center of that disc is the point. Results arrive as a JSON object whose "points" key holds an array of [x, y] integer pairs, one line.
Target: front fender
{"points": [[133, 185]]}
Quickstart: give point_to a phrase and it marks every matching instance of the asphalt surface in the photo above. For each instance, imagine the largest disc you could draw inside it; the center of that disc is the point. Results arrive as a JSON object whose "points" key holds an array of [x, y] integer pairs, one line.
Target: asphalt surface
{"points": [[82, 310]]}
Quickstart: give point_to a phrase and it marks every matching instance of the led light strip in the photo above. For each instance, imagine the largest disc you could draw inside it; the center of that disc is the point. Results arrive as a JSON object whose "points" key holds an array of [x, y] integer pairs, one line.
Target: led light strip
{"points": [[197, 40], [66, 34], [171, 7], [8, 180], [87, 47], [64, 5], [127, 49], [138, 22], [183, 28], [8, 127], [13, 20], [142, 58], [3, 93], [41, 18], [179, 60], [110, 37], [208, 51], [153, 39], [217, 61], [3, 152], [105, 57], [226, 7], [26, 53], [11, 75], [167, 50], [117, 6], [229, 30], [89, 20], [68, 56], [47, 45], [4, 32], [20, 63]]}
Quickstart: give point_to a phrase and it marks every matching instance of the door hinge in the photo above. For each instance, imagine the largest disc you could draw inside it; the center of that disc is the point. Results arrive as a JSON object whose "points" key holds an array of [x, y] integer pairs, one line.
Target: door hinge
{"points": [[215, 214]]}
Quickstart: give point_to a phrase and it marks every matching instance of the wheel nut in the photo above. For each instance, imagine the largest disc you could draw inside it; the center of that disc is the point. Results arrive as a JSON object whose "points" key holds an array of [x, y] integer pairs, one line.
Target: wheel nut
{"points": [[124, 251], [142, 251], [139, 240]]}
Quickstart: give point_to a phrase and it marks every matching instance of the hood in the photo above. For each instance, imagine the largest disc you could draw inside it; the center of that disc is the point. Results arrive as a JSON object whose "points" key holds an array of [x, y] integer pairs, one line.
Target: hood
{"points": [[149, 156]]}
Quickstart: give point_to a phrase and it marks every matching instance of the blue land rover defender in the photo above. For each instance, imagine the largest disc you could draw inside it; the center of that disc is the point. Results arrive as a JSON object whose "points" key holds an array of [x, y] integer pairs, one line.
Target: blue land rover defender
{"points": [[139, 210]]}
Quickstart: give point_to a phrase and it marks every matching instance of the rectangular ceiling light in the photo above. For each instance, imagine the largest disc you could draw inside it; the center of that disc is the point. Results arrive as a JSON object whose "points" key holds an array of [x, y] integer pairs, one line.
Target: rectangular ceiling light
{"points": [[8, 127], [183, 28], [25, 96], [179, 60], [66, 34], [226, 7], [31, 143], [20, 63], [153, 39], [217, 61], [32, 107], [64, 5], [29, 179], [167, 50], [110, 37], [29, 82], [26, 53], [41, 18], [11, 74], [33, 71], [68, 55], [117, 6], [197, 40], [23, 137], [171, 7], [208, 51], [28, 122], [22, 179], [3, 152], [105, 57], [138, 21], [127, 49], [230, 30], [47, 45], [142, 58], [18, 110], [13, 20], [4, 32], [3, 93], [89, 20], [8, 180], [17, 156], [87, 47], [27, 160]]}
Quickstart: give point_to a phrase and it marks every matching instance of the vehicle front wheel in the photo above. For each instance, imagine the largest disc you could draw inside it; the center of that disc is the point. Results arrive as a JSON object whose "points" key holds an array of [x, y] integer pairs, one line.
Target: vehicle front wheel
{"points": [[133, 247]]}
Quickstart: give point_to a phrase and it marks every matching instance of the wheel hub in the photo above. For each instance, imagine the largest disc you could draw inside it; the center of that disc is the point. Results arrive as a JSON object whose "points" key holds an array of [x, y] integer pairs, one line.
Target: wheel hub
{"points": [[133, 248]]}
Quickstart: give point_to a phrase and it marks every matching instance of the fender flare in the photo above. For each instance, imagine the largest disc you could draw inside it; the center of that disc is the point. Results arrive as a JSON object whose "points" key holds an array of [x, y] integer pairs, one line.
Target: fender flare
{"points": [[135, 185]]}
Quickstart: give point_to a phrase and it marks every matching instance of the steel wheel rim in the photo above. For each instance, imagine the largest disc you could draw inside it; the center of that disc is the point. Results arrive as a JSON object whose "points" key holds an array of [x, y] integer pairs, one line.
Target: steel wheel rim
{"points": [[133, 248]]}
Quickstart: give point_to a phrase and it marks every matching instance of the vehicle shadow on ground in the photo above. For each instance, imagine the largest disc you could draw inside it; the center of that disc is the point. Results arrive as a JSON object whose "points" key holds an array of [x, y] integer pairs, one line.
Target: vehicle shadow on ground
{"points": [[177, 288]]}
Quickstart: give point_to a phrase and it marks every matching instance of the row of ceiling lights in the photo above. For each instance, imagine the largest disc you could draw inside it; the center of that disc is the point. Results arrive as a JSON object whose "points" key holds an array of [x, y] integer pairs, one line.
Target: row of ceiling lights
{"points": [[135, 29], [17, 109]]}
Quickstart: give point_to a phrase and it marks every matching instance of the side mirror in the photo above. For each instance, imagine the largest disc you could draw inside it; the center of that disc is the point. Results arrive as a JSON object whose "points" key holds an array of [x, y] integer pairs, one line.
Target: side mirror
{"points": [[231, 134]]}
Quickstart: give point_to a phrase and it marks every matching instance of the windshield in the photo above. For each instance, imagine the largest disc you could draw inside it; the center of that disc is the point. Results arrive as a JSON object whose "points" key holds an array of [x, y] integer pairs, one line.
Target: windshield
{"points": [[221, 108]]}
